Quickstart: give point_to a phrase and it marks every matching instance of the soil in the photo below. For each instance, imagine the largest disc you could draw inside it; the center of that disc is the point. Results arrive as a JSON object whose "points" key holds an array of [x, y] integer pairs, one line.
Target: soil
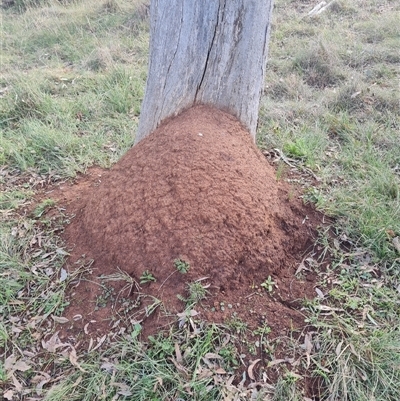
{"points": [[199, 191]]}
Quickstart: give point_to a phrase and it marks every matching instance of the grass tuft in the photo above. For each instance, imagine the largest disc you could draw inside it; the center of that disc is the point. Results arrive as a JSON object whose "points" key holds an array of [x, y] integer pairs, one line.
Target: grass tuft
{"points": [[318, 67], [359, 365]]}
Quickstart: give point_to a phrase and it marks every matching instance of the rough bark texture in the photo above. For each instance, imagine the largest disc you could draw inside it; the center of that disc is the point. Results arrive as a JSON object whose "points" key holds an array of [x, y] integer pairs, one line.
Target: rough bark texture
{"points": [[206, 52]]}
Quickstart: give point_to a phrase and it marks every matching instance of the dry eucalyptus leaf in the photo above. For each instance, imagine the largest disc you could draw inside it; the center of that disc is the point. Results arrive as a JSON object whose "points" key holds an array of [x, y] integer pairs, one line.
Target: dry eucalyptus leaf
{"points": [[276, 362], [16, 383], [396, 243], [328, 308], [90, 344], [100, 341], [21, 366], [180, 368], [251, 367], [211, 355], [339, 348], [53, 343], [59, 319], [39, 386], [73, 358], [205, 373], [9, 362], [308, 347], [178, 353], [108, 367], [209, 364], [63, 275], [62, 252], [8, 395], [124, 389], [319, 293], [77, 381]]}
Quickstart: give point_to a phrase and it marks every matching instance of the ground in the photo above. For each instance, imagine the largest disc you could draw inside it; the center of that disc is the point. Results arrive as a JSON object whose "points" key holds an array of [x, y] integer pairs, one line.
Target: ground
{"points": [[70, 95], [196, 192]]}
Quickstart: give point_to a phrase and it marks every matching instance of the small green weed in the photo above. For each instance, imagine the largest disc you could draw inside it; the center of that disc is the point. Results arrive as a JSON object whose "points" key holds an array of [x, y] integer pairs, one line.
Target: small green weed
{"points": [[182, 266], [197, 292], [268, 284], [147, 277], [237, 325], [10, 200], [286, 388], [43, 207]]}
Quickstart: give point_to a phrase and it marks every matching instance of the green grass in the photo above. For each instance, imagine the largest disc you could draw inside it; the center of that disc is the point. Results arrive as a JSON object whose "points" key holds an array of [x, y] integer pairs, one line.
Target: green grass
{"points": [[70, 96], [358, 365], [77, 102], [177, 366]]}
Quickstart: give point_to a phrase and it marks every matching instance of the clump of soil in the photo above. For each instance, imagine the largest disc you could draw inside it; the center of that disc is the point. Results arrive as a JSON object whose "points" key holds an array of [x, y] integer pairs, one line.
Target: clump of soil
{"points": [[196, 190]]}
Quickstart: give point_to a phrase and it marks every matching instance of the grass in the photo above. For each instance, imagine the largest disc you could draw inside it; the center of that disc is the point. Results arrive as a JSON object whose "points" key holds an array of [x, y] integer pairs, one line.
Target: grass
{"points": [[181, 365], [75, 105], [70, 95]]}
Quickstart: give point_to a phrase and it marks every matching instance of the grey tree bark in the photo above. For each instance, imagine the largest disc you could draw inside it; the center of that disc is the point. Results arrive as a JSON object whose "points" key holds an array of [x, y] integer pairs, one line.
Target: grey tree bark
{"points": [[206, 52]]}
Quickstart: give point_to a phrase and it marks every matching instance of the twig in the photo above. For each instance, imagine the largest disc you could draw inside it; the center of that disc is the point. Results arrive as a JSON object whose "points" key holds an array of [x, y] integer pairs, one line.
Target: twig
{"points": [[167, 279]]}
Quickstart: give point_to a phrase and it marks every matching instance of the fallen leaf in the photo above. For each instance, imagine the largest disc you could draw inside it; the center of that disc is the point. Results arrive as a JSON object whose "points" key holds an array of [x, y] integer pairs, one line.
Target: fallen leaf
{"points": [[77, 381], [301, 267], [9, 362], [21, 366], [211, 355], [319, 293], [16, 383], [124, 389], [53, 343], [339, 348], [108, 367], [276, 362], [308, 347], [62, 252], [355, 94], [39, 386], [59, 319], [73, 358], [328, 308], [63, 275], [100, 341], [251, 367], [8, 395], [396, 243], [180, 368], [178, 353], [203, 373], [90, 344]]}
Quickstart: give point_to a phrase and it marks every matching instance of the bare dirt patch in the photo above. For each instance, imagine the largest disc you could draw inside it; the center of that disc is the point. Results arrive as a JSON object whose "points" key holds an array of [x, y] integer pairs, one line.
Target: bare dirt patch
{"points": [[196, 190]]}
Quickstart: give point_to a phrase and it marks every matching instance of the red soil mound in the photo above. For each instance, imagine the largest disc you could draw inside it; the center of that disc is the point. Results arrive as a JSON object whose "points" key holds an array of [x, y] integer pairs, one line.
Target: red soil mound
{"points": [[197, 189]]}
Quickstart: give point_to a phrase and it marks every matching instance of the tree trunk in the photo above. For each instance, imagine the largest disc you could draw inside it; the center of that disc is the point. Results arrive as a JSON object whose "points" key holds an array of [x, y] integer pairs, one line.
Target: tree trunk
{"points": [[206, 52]]}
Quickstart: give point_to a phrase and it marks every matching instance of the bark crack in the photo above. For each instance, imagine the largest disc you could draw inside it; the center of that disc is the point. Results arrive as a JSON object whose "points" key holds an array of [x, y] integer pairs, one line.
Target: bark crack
{"points": [[209, 51], [173, 58]]}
